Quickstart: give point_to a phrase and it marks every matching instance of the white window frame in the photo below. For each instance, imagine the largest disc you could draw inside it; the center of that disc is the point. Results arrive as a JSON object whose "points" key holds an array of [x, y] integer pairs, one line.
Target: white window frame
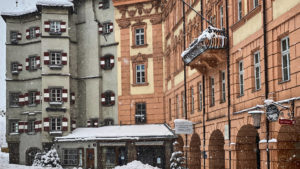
{"points": [[285, 54], [139, 36], [55, 27], [31, 97], [55, 58], [56, 95], [240, 8], [212, 90], [200, 99], [70, 157], [223, 86], [32, 33], [257, 75], [241, 77], [55, 124], [32, 63], [13, 126], [255, 3], [140, 74], [221, 17]]}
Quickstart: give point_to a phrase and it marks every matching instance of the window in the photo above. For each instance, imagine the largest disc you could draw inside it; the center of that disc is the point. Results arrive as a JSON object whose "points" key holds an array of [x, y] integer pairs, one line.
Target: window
{"points": [[139, 36], [105, 4], [30, 126], [55, 58], [257, 70], [14, 99], [108, 122], [107, 28], [221, 17], [140, 113], [14, 67], [107, 62], [55, 123], [241, 77], [55, 95], [255, 3], [177, 106], [31, 98], [223, 93], [239, 10], [212, 91], [285, 58], [170, 109], [140, 74], [55, 27], [13, 37], [108, 98], [192, 100], [32, 63], [13, 126], [32, 33], [183, 104], [70, 156], [200, 97]]}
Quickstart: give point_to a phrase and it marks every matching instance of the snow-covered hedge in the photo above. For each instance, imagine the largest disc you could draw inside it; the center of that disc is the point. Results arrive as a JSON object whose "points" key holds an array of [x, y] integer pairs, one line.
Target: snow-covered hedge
{"points": [[136, 165]]}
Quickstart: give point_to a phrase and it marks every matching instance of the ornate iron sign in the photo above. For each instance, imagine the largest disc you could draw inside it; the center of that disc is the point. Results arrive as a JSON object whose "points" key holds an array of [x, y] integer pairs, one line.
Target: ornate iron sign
{"points": [[272, 112]]}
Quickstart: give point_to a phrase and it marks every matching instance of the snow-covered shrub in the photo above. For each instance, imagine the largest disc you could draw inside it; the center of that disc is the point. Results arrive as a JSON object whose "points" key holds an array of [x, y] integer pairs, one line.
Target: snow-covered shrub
{"points": [[177, 160], [49, 159]]}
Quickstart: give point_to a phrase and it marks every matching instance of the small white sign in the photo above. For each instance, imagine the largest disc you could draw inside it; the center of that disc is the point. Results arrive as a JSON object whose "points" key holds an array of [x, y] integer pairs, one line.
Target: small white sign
{"points": [[183, 126]]}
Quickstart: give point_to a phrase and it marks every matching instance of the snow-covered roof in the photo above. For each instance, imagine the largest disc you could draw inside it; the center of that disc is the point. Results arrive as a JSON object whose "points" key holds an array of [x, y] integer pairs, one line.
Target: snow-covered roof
{"points": [[123, 132], [31, 6]]}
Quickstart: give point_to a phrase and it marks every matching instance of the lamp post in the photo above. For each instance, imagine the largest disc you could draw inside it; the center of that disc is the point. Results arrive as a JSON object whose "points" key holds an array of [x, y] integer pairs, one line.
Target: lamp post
{"points": [[256, 114]]}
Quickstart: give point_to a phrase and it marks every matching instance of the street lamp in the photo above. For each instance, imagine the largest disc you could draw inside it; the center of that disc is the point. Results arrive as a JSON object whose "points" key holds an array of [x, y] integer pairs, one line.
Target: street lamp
{"points": [[256, 114]]}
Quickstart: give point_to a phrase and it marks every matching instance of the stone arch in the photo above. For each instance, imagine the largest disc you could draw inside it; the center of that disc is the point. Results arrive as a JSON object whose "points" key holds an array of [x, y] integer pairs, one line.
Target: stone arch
{"points": [[247, 148], [216, 150], [288, 145], [30, 154], [195, 152]]}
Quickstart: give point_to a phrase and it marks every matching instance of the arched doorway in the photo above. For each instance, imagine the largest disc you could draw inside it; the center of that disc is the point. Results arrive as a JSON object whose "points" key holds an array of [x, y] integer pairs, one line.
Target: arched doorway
{"points": [[247, 148], [216, 150], [30, 154], [288, 145], [195, 153]]}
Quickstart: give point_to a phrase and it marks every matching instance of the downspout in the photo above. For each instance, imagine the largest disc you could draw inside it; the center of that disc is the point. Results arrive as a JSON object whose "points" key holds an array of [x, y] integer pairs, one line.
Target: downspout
{"points": [[204, 111], [266, 76], [201, 12], [228, 83]]}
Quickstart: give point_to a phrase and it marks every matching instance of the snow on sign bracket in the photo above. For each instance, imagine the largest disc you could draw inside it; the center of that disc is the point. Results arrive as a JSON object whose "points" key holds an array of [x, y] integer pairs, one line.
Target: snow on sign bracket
{"points": [[183, 126]]}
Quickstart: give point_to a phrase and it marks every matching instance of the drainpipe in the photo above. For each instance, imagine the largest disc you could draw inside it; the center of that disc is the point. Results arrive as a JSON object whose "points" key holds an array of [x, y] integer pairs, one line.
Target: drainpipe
{"points": [[201, 12], [266, 74], [204, 111], [228, 82]]}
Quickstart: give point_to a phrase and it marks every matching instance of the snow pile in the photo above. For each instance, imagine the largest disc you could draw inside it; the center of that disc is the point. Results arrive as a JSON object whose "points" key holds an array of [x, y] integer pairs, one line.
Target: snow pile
{"points": [[30, 6], [136, 165], [50, 159], [177, 160]]}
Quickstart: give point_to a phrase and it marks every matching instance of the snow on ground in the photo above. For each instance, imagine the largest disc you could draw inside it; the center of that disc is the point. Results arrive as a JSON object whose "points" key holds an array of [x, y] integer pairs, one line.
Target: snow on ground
{"points": [[136, 165], [5, 165], [2, 132]]}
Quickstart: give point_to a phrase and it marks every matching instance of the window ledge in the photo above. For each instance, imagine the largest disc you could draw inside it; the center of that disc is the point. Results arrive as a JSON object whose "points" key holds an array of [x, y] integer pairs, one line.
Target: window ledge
{"points": [[139, 84], [55, 33], [55, 132], [55, 66], [222, 101], [139, 46], [240, 95], [32, 105], [281, 81], [12, 134], [55, 103], [256, 90]]}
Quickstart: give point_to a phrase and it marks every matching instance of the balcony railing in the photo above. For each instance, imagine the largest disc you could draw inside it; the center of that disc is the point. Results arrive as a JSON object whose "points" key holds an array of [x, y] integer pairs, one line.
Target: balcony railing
{"points": [[210, 39]]}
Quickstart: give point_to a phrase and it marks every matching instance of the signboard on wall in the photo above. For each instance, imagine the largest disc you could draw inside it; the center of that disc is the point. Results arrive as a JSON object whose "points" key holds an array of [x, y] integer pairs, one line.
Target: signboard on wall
{"points": [[183, 126], [286, 121]]}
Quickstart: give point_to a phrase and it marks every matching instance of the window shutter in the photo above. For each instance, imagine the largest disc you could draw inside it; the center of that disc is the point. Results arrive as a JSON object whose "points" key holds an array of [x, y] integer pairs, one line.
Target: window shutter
{"points": [[37, 126], [112, 61], [111, 27], [38, 62], [100, 5], [112, 98], [27, 63], [88, 123], [63, 27], [46, 58], [25, 126], [19, 36], [27, 34], [46, 124], [21, 126], [20, 67], [65, 95], [37, 97], [102, 62], [64, 124], [21, 100], [46, 95], [26, 98], [72, 98], [37, 31], [73, 125], [103, 100], [100, 29], [64, 58], [47, 26]]}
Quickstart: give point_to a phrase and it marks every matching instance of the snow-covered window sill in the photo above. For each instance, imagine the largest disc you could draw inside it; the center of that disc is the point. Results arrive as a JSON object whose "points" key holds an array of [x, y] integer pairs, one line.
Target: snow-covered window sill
{"points": [[55, 103], [55, 132], [55, 66], [12, 134]]}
